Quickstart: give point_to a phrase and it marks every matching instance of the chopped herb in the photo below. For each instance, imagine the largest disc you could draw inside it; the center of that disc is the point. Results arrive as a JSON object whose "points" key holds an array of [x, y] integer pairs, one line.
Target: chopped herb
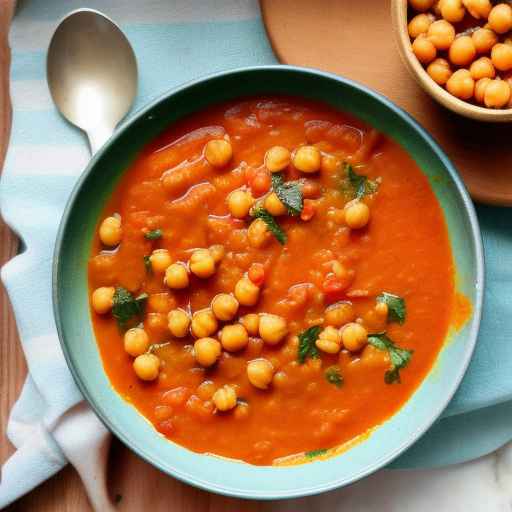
{"points": [[307, 347], [155, 234], [127, 308], [359, 184], [399, 357], [315, 453], [333, 376], [396, 307], [289, 193], [147, 264], [273, 226]]}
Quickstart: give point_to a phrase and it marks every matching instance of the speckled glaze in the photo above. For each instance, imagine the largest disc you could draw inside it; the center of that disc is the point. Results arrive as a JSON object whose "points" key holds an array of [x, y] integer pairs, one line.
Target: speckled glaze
{"points": [[70, 294]]}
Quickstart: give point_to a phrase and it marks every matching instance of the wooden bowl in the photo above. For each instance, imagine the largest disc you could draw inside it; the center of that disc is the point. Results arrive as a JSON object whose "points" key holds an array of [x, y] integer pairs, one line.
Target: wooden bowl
{"points": [[399, 17]]}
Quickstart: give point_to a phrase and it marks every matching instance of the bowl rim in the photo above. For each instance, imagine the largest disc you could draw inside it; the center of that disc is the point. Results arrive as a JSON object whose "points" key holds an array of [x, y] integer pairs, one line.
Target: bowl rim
{"points": [[399, 20], [331, 483]]}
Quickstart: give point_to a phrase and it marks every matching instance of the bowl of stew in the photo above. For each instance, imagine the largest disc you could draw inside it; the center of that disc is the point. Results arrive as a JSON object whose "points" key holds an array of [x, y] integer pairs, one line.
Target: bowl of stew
{"points": [[268, 283]]}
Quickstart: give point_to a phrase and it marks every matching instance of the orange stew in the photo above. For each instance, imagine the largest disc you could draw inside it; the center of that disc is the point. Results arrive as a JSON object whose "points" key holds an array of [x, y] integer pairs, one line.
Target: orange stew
{"points": [[271, 277]]}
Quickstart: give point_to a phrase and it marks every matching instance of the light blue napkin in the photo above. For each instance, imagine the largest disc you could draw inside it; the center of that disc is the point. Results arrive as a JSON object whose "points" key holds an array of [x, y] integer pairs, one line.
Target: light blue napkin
{"points": [[175, 42]]}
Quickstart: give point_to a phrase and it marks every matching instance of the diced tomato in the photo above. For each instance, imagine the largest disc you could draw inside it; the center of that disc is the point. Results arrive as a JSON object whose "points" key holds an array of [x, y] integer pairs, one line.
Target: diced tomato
{"points": [[250, 173], [260, 184], [257, 274], [166, 427], [308, 210], [176, 397], [334, 288]]}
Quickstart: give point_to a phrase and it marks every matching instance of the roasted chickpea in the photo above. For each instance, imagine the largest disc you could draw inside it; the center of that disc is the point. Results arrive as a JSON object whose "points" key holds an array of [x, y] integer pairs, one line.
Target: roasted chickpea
{"points": [[224, 306], [497, 94], [217, 251], [272, 328], [354, 337], [136, 341], [146, 366], [462, 51], [461, 85], [329, 340], [441, 34], [251, 322], [176, 276], [225, 398], [201, 263], [258, 234], [203, 323], [424, 49], [357, 214], [218, 152], [419, 24], [439, 70], [480, 87], [178, 322], [421, 5], [207, 351], [307, 159], [500, 18], [160, 260], [260, 372], [339, 314], [246, 292], [102, 298], [274, 205], [482, 68], [277, 159], [501, 56], [240, 203], [484, 39], [452, 10], [234, 337], [110, 231]]}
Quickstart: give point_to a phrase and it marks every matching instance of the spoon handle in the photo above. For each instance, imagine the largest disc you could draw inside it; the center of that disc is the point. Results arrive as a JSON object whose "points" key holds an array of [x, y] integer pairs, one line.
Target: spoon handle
{"points": [[98, 136]]}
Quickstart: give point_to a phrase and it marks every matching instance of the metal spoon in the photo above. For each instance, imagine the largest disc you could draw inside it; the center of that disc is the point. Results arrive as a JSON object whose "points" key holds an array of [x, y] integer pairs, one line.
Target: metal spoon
{"points": [[92, 73]]}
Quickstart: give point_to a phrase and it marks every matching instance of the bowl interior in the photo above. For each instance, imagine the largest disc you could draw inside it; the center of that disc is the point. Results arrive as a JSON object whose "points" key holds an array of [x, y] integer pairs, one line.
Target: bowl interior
{"points": [[71, 297]]}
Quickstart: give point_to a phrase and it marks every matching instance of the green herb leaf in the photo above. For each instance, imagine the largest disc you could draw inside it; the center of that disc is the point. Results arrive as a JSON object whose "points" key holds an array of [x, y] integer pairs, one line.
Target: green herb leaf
{"points": [[359, 184], [396, 307], [315, 453], [147, 264], [307, 347], [333, 376], [289, 193], [273, 226], [399, 357], [127, 309], [155, 234]]}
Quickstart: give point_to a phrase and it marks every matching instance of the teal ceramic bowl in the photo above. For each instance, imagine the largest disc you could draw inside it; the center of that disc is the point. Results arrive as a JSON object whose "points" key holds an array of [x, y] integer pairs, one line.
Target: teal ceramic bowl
{"points": [[71, 297]]}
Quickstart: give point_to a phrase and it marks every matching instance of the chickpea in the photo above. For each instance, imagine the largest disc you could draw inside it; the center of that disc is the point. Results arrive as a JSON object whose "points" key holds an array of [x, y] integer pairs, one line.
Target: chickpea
{"points": [[201, 263], [207, 351], [484, 39], [218, 152], [234, 337], [357, 214], [224, 306], [272, 328], [461, 85], [240, 203], [339, 314], [462, 51], [176, 276], [497, 94], [246, 292], [204, 323], [424, 49], [277, 159], [102, 299], [205, 390], [274, 205], [354, 337], [452, 10], [252, 323], [439, 70], [329, 340], [442, 34], [178, 322], [478, 8], [419, 24], [136, 341], [241, 411], [160, 260], [260, 372], [258, 234], [500, 18], [217, 252], [421, 5], [480, 87], [482, 68], [225, 398], [110, 231], [381, 308], [307, 159], [146, 366], [501, 56]]}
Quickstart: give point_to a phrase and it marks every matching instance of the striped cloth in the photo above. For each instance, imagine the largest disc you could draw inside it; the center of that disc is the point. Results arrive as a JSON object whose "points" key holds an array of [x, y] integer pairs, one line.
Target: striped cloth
{"points": [[174, 41]]}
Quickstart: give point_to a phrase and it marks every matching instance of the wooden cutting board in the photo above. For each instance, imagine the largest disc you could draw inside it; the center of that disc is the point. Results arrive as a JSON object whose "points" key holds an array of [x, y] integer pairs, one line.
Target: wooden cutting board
{"points": [[355, 39]]}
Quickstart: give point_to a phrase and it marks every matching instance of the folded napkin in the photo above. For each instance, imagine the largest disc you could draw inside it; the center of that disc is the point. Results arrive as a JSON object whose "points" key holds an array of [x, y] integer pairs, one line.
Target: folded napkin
{"points": [[174, 42]]}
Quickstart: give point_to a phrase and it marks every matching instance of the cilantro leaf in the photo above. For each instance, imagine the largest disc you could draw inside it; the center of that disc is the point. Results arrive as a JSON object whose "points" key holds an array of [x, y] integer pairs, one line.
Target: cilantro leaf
{"points": [[155, 234], [126, 308], [147, 264], [333, 376], [273, 226], [307, 347], [396, 307], [289, 193], [399, 357], [315, 453], [359, 184]]}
